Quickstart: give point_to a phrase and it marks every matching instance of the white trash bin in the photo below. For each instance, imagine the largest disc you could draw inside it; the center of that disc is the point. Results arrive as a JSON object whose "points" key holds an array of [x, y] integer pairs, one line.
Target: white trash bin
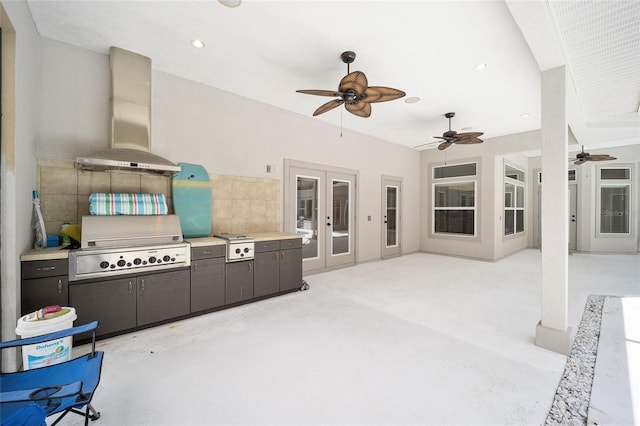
{"points": [[53, 351]]}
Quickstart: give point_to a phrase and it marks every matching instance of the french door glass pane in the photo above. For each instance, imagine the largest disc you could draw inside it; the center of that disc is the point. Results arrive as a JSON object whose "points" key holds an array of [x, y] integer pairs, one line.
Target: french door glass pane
{"points": [[392, 212], [509, 222], [307, 215], [340, 191], [614, 209]]}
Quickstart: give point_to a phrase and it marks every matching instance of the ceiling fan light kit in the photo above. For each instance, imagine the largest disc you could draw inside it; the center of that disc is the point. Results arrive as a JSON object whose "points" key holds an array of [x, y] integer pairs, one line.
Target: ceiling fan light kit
{"points": [[354, 92]]}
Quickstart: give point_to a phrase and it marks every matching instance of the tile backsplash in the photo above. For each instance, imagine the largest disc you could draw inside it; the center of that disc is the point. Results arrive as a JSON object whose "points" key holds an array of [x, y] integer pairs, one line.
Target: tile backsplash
{"points": [[240, 204]]}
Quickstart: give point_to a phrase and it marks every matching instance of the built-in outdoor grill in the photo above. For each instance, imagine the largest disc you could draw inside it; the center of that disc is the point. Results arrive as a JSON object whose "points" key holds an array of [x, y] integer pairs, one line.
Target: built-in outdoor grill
{"points": [[239, 247], [113, 245]]}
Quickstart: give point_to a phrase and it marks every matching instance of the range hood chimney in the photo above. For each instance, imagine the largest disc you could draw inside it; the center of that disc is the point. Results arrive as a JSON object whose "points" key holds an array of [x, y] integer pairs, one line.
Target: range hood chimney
{"points": [[130, 127]]}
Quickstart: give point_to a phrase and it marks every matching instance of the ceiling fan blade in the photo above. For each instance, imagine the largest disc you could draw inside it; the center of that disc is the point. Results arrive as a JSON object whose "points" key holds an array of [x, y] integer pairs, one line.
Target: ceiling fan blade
{"points": [[468, 140], [382, 94], [320, 92], [599, 157], [579, 161], [355, 81], [361, 109], [469, 135], [445, 145], [328, 106], [439, 137]]}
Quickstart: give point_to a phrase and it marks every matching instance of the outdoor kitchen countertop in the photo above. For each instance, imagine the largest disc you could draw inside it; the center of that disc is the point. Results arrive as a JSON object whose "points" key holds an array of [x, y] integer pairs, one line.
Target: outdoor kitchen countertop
{"points": [[48, 253], [260, 236]]}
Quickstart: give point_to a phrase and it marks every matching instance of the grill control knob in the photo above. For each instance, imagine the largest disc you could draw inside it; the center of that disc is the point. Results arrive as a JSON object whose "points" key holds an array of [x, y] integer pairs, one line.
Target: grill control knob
{"points": [[137, 261], [104, 265], [166, 258], [238, 250], [246, 249], [121, 263], [152, 259]]}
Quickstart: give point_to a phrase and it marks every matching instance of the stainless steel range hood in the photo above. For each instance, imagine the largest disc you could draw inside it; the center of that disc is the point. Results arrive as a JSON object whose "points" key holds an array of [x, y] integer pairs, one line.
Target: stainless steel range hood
{"points": [[130, 129]]}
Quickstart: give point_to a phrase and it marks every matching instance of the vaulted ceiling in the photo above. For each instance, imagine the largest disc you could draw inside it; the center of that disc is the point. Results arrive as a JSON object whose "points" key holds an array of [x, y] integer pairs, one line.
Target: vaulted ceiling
{"points": [[266, 50]]}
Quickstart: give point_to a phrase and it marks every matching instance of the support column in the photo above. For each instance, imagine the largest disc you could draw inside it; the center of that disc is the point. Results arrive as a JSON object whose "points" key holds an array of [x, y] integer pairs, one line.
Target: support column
{"points": [[553, 332]]}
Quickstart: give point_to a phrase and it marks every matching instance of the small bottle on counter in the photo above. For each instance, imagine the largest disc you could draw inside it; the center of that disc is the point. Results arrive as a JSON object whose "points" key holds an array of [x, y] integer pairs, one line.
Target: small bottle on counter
{"points": [[66, 240]]}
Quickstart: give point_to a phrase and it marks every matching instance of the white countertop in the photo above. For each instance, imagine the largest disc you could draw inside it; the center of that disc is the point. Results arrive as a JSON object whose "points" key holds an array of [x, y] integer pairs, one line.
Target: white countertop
{"points": [[48, 253]]}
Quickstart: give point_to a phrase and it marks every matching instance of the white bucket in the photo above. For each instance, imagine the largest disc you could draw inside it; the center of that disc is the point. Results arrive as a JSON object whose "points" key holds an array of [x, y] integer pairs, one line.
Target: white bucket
{"points": [[46, 353]]}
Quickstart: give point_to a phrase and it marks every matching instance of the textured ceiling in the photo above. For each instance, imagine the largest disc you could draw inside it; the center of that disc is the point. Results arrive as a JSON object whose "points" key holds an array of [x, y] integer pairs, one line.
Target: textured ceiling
{"points": [[265, 50], [601, 41]]}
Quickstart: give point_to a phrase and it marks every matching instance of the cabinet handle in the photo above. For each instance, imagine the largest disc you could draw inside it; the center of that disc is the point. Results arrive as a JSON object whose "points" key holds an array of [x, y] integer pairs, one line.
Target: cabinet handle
{"points": [[142, 284], [282, 255], [207, 252], [276, 253], [59, 286], [46, 268], [249, 265], [195, 267], [130, 287]]}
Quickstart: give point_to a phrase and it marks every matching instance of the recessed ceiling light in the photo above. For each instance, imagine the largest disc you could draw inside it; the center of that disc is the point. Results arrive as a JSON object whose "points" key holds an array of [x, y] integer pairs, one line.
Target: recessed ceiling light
{"points": [[230, 3], [525, 115], [198, 43], [480, 67], [412, 100]]}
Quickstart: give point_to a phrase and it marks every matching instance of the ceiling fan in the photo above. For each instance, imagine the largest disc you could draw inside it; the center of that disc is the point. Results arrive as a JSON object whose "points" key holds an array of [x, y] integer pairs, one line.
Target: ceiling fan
{"points": [[354, 92], [451, 136], [582, 157]]}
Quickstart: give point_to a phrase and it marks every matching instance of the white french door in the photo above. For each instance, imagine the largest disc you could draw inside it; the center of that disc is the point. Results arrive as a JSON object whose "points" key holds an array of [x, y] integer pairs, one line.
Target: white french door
{"points": [[320, 206]]}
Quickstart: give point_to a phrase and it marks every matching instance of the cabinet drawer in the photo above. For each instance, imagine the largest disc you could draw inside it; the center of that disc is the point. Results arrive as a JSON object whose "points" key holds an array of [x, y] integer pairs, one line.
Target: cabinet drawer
{"points": [[45, 268], [290, 243], [208, 252], [262, 246]]}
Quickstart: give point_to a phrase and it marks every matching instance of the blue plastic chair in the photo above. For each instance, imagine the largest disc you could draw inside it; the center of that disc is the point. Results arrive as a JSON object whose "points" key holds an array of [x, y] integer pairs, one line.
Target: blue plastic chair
{"points": [[58, 388]]}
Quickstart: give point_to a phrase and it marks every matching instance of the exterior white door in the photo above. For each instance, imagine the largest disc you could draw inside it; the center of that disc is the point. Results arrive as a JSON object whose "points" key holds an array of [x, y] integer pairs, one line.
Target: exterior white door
{"points": [[391, 216], [323, 212]]}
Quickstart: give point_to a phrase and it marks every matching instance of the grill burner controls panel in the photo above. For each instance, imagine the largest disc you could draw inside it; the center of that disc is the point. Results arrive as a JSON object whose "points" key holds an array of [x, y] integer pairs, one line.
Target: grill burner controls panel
{"points": [[239, 246], [94, 264], [239, 251]]}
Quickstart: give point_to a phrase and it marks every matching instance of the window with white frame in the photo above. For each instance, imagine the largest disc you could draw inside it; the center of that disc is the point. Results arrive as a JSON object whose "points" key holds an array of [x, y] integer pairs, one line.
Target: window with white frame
{"points": [[514, 182], [614, 200], [454, 199]]}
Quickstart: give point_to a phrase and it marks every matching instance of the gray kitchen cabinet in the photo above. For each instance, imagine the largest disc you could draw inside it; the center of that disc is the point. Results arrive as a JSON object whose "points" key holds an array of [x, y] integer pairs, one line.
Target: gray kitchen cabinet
{"points": [[207, 277], [112, 303], [266, 277], [278, 266], [44, 283], [163, 296], [239, 283], [290, 264]]}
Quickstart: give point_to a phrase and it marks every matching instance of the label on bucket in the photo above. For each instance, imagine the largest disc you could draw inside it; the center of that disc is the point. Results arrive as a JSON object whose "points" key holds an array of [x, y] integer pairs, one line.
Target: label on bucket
{"points": [[48, 353]]}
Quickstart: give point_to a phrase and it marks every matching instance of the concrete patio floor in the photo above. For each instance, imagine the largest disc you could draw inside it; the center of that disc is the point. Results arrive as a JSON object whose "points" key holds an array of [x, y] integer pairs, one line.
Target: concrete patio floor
{"points": [[419, 339]]}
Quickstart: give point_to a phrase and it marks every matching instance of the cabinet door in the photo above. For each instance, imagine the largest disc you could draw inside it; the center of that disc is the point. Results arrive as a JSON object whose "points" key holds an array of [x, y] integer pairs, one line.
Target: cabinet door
{"points": [[266, 275], [239, 285], [163, 296], [40, 292], [112, 303], [207, 284], [290, 269]]}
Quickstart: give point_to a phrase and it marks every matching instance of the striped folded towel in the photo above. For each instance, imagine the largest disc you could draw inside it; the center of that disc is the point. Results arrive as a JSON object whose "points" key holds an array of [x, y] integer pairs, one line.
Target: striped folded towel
{"points": [[127, 204]]}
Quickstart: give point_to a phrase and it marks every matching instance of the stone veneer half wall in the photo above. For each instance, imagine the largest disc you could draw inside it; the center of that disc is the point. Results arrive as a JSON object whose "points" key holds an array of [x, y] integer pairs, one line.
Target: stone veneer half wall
{"points": [[240, 204]]}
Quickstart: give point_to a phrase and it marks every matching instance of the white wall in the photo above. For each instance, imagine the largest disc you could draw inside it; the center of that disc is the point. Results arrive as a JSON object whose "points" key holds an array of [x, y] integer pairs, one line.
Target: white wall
{"points": [[588, 239], [490, 156], [226, 133], [18, 170]]}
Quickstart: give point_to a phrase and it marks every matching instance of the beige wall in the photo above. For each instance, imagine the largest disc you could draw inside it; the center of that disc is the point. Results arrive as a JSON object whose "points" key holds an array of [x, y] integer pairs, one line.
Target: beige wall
{"points": [[18, 169], [227, 134]]}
